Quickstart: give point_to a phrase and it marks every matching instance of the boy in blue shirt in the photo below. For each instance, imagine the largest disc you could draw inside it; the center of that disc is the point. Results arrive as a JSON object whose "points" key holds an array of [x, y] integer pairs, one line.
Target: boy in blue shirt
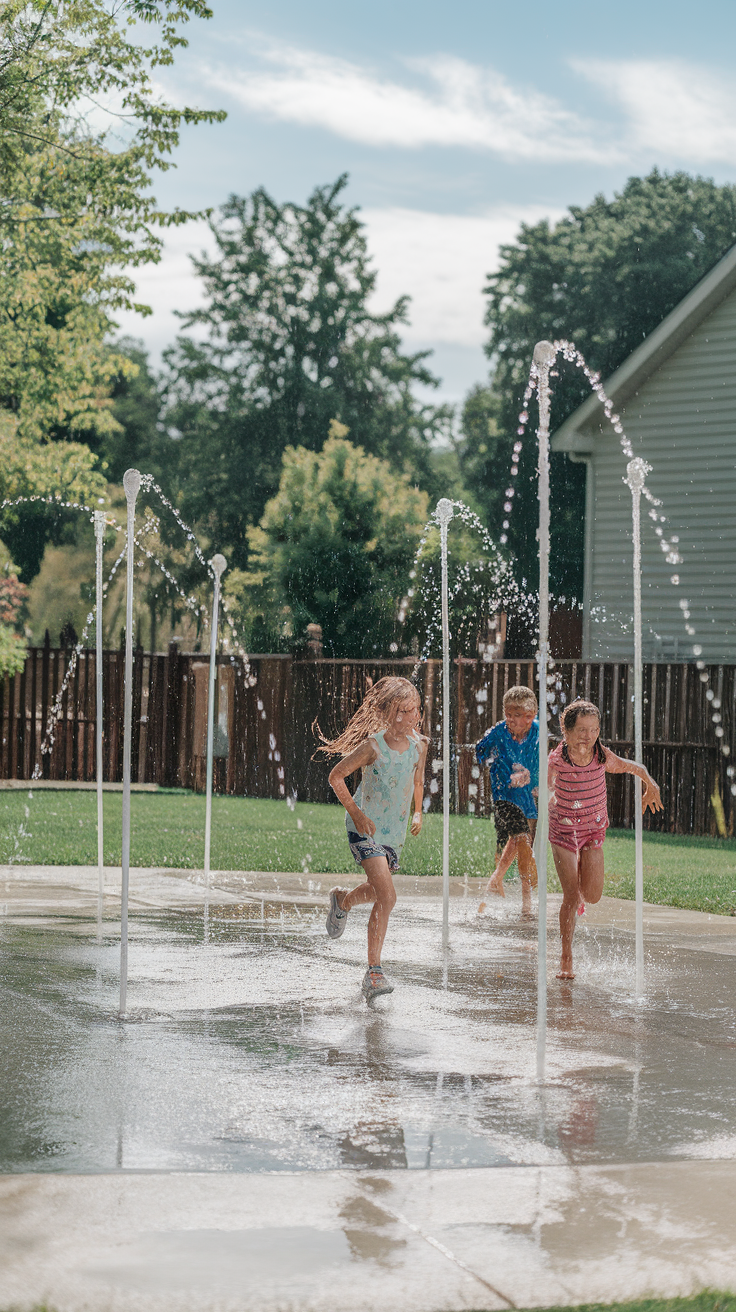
{"points": [[511, 750]]}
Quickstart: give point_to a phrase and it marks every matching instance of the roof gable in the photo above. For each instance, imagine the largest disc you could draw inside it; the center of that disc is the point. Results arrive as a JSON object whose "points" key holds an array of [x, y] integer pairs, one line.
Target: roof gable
{"points": [[706, 295]]}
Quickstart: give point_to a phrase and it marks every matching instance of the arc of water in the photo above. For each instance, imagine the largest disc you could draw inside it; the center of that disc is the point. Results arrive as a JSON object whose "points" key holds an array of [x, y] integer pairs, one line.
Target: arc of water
{"points": [[218, 565], [669, 546], [507, 589], [131, 483], [544, 356], [444, 515], [100, 524], [48, 501], [48, 739], [151, 485], [636, 473]]}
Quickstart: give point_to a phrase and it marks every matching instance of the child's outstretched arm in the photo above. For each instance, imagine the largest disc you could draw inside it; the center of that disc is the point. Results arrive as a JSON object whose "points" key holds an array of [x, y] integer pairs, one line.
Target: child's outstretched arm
{"points": [[651, 799], [416, 820], [363, 755]]}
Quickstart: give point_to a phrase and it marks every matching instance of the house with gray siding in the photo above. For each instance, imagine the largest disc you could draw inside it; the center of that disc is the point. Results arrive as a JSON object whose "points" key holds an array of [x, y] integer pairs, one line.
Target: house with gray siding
{"points": [[676, 396]]}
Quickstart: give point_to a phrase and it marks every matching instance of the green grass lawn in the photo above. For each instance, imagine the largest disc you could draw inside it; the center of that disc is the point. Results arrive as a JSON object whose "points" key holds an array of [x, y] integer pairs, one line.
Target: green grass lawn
{"points": [[60, 828], [709, 1301]]}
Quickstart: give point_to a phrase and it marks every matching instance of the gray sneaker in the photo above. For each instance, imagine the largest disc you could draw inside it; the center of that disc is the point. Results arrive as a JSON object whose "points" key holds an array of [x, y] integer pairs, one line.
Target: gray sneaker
{"points": [[336, 917], [375, 983]]}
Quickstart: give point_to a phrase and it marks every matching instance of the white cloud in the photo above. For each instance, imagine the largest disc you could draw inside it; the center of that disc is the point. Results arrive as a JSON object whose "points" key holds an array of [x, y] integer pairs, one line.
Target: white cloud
{"points": [[441, 260], [464, 105], [672, 109], [168, 286], [676, 110]]}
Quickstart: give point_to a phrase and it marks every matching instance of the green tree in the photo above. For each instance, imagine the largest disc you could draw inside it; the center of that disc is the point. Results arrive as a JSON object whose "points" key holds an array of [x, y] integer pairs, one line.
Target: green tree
{"points": [[482, 450], [136, 408], [334, 547], [54, 472], [604, 276], [291, 343], [77, 213]]}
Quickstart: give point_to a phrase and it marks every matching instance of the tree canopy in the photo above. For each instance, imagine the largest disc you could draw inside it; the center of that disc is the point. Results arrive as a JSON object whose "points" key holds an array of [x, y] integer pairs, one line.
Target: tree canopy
{"points": [[290, 343], [604, 276], [82, 128], [334, 547]]}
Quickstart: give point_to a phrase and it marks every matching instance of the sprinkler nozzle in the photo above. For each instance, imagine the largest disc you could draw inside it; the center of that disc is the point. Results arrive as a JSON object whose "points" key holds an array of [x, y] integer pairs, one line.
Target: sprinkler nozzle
{"points": [[131, 483], [544, 354], [636, 474]]}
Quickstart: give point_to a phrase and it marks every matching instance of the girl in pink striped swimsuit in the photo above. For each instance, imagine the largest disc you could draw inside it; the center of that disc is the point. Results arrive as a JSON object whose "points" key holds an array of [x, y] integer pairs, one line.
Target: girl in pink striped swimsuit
{"points": [[578, 814]]}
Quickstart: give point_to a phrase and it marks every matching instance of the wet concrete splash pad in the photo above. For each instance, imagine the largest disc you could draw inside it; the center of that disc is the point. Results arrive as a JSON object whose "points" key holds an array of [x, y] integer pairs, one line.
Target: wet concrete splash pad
{"points": [[248, 1046], [249, 1052]]}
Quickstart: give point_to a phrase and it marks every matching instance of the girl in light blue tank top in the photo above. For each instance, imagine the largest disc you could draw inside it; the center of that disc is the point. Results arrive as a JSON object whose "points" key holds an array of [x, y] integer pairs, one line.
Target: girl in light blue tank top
{"points": [[384, 793], [382, 740]]}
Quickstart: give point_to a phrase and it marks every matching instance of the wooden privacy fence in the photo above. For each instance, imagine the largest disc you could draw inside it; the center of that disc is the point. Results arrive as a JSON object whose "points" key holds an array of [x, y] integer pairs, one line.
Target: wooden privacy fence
{"points": [[264, 742]]}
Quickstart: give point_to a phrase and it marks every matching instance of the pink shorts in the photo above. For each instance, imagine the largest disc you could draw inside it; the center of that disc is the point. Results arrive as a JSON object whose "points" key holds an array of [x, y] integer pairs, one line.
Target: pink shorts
{"points": [[575, 840]]}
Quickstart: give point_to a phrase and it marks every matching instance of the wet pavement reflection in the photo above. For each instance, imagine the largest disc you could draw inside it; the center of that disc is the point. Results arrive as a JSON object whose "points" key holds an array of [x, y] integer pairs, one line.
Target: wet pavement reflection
{"points": [[249, 1048]]}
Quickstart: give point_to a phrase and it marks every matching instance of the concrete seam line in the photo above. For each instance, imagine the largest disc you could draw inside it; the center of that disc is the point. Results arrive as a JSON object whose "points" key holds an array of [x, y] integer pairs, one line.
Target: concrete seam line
{"points": [[446, 1252]]}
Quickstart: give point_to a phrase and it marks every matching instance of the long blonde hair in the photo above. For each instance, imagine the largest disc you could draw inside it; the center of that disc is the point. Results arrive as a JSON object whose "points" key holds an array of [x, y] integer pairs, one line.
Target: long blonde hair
{"points": [[374, 713]]}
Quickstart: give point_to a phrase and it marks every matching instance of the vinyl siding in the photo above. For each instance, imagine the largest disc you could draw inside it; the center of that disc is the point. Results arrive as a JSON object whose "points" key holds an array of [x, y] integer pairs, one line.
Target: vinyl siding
{"points": [[683, 421]]}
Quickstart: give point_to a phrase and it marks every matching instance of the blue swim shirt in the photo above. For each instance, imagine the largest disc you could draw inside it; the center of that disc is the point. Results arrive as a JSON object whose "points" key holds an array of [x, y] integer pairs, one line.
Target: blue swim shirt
{"points": [[501, 752]]}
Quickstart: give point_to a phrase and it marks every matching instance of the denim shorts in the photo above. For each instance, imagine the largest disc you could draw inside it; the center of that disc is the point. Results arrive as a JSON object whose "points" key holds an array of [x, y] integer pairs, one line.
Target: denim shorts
{"points": [[363, 848]]}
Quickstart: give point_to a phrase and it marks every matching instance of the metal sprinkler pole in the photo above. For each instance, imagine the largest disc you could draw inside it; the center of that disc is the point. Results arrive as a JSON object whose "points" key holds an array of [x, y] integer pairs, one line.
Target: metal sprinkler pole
{"points": [[544, 358], [100, 521], [219, 565], [131, 483], [636, 474], [444, 514]]}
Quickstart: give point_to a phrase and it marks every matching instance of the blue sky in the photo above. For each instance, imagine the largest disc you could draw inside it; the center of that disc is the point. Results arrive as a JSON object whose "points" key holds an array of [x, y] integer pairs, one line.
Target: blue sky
{"points": [[455, 122]]}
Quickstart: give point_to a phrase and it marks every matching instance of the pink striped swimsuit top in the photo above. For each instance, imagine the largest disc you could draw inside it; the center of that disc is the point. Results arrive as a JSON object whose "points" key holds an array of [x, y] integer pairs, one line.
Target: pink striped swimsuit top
{"points": [[578, 809]]}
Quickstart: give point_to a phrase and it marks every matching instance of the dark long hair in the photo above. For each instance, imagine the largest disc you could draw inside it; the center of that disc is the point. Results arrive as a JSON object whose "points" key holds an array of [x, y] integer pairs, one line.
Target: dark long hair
{"points": [[569, 718]]}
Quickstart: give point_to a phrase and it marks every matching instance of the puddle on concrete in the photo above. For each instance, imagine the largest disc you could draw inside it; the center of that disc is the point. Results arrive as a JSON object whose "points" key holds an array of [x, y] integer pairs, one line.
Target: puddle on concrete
{"points": [[253, 1051]]}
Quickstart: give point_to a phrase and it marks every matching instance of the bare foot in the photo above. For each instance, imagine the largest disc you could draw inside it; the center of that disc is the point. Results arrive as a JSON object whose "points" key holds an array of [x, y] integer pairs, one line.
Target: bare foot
{"points": [[526, 899], [566, 971], [496, 886], [481, 908]]}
